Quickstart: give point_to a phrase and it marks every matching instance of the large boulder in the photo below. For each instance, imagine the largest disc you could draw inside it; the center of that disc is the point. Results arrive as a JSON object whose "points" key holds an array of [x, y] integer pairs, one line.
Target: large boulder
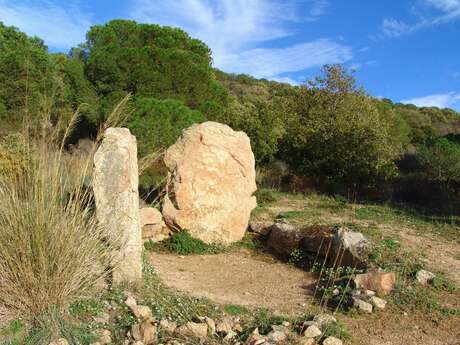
{"points": [[116, 194], [211, 179]]}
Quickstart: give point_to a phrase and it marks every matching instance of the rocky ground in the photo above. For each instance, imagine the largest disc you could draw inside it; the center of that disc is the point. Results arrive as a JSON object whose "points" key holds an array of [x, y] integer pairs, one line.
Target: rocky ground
{"points": [[255, 278], [246, 295]]}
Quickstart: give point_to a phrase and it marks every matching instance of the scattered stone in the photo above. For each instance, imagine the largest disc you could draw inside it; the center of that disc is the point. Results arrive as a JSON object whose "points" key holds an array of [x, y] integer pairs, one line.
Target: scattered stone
{"points": [[307, 341], [136, 332], [211, 179], [152, 224], [277, 336], [378, 303], [149, 332], [105, 337], [261, 227], [382, 282], [224, 327], [324, 319], [238, 328], [102, 318], [362, 305], [230, 335], [115, 185], [312, 331], [255, 338], [332, 341], [352, 247], [60, 341], [284, 238], [211, 324], [369, 293], [425, 277], [197, 330], [169, 326], [139, 311]]}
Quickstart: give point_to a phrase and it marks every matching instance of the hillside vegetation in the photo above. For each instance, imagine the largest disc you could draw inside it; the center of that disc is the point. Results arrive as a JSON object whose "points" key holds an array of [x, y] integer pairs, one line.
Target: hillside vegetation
{"points": [[329, 132]]}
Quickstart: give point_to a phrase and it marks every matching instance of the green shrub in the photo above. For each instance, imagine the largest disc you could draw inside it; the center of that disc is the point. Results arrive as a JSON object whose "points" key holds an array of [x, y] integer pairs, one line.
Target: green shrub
{"points": [[233, 309], [265, 196], [158, 123], [184, 244]]}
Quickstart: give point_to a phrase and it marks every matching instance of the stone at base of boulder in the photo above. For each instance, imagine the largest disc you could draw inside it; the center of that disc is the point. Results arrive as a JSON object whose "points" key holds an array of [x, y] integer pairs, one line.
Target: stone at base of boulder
{"points": [[261, 227]]}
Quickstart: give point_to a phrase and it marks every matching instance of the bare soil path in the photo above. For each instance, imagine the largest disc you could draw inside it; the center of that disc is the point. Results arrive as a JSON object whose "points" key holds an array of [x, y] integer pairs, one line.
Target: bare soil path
{"points": [[237, 277]]}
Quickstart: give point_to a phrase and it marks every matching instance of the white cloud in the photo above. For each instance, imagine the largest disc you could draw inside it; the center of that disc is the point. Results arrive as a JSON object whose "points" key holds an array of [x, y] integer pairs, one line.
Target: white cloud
{"points": [[443, 100], [237, 30], [287, 80], [393, 27], [60, 27], [429, 13], [269, 63]]}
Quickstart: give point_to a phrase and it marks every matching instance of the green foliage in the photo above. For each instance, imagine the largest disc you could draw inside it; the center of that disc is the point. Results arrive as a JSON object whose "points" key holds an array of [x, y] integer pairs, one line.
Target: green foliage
{"points": [[257, 108], [25, 74], [86, 308], [13, 155], [233, 309], [440, 159], [184, 244], [337, 133], [265, 196], [158, 123], [337, 330], [75, 90], [150, 60]]}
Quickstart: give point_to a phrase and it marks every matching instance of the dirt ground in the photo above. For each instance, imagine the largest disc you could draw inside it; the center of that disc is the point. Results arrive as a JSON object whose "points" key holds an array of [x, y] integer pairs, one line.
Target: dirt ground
{"points": [[256, 279], [259, 280], [238, 278]]}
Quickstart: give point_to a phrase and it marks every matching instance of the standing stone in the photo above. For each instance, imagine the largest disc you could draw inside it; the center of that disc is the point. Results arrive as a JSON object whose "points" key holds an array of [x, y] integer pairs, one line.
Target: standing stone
{"points": [[117, 199], [211, 179]]}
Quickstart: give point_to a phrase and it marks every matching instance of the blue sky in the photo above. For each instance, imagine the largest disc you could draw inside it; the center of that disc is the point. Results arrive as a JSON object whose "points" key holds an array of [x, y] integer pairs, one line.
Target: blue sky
{"points": [[406, 50]]}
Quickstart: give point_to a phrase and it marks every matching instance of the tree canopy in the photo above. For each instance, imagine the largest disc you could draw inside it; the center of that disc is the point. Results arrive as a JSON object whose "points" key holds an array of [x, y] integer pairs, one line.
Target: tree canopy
{"points": [[153, 61]]}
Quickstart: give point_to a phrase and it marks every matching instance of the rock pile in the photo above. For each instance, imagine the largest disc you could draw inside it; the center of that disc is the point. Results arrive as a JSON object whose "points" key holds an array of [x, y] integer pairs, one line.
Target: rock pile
{"points": [[339, 245]]}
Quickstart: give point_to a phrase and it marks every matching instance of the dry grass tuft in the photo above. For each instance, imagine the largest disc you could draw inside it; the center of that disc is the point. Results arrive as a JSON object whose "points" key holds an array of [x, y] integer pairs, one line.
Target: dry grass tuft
{"points": [[52, 250]]}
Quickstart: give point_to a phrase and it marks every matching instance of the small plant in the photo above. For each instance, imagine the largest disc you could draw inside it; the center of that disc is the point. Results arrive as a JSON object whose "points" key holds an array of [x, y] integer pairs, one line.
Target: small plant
{"points": [[265, 196], [86, 308], [233, 309], [297, 257], [290, 214], [183, 243], [336, 329]]}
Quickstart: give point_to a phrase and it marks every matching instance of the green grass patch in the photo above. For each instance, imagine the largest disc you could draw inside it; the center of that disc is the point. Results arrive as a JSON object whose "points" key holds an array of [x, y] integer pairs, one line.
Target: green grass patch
{"points": [[234, 309], [337, 330], [183, 243], [290, 215], [86, 308]]}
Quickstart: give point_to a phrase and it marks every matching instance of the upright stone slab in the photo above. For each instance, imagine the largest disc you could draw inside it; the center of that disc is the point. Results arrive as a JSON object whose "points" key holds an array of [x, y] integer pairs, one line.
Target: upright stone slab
{"points": [[116, 193]]}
